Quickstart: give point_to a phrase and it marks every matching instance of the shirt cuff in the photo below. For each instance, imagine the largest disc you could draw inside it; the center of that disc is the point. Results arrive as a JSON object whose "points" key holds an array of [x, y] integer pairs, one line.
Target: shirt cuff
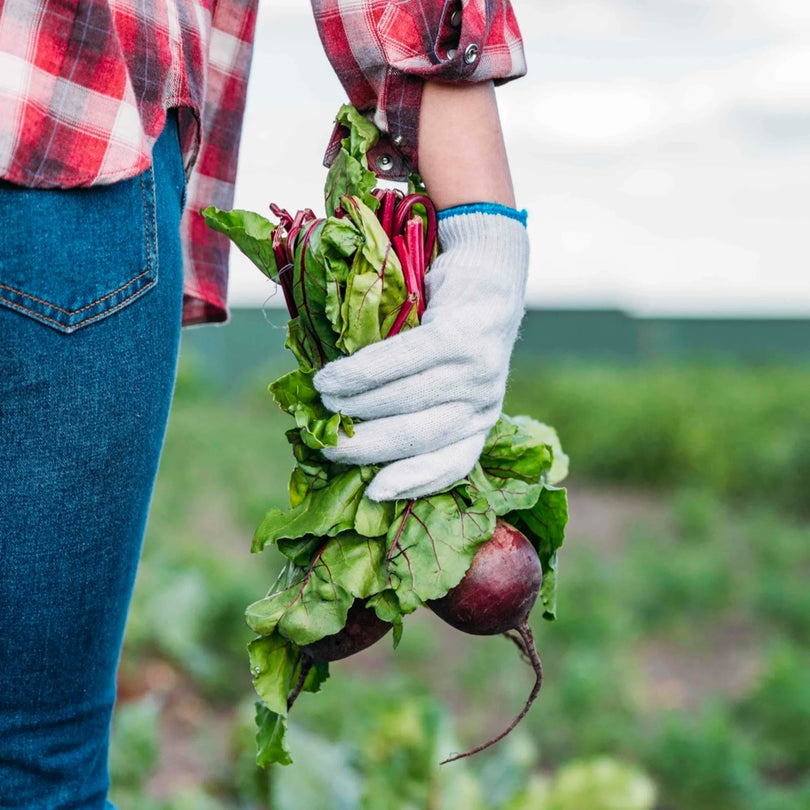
{"points": [[414, 41]]}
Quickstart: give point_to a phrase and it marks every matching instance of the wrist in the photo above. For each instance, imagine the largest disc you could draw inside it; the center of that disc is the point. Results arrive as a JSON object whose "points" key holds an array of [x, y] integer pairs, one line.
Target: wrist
{"points": [[462, 156]]}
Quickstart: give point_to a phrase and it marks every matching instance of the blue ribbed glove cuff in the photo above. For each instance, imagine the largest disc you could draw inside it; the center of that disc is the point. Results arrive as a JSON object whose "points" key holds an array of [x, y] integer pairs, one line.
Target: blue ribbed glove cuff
{"points": [[485, 208]]}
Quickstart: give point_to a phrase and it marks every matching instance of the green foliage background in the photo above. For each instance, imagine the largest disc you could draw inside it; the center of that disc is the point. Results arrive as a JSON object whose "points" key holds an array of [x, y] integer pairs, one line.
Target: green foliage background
{"points": [[679, 658]]}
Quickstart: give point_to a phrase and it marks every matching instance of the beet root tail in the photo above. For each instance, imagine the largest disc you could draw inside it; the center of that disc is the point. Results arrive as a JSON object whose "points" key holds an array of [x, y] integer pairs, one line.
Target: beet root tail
{"points": [[527, 646], [517, 640], [306, 665]]}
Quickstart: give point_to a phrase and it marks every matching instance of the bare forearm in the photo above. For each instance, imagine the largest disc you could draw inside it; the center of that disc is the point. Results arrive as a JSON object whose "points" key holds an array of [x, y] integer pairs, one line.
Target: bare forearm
{"points": [[462, 157]]}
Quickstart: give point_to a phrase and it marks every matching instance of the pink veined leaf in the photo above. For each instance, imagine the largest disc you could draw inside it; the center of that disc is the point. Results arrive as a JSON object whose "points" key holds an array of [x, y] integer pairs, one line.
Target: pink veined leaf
{"points": [[432, 544]]}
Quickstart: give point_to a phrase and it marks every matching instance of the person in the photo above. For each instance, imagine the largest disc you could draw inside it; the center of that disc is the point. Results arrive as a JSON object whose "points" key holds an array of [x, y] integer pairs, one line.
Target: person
{"points": [[120, 120]]}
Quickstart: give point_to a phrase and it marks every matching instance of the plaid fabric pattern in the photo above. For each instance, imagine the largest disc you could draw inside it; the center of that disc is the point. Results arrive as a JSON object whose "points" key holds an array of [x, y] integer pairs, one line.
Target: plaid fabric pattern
{"points": [[383, 51], [85, 85]]}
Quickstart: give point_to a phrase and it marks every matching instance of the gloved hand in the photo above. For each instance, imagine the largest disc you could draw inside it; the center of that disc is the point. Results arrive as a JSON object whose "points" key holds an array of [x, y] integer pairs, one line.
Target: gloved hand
{"points": [[428, 397]]}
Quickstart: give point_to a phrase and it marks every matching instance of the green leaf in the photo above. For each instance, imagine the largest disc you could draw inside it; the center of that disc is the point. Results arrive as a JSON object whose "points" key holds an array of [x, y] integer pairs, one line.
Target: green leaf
{"points": [[502, 491], [513, 465], [374, 518], [381, 300], [304, 612], [274, 662], [313, 287], [250, 232], [298, 486], [432, 545], [363, 134], [316, 604], [318, 433], [318, 674], [276, 665], [514, 448], [548, 589], [296, 394], [358, 562], [294, 390], [302, 343], [300, 550], [544, 524], [333, 305], [346, 425], [340, 238], [359, 312], [271, 742], [546, 434], [386, 605], [547, 519], [349, 173], [323, 512]]}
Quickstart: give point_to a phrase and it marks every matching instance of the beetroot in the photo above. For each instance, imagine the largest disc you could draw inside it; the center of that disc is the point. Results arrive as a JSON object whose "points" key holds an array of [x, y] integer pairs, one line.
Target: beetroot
{"points": [[496, 596], [499, 589], [362, 629]]}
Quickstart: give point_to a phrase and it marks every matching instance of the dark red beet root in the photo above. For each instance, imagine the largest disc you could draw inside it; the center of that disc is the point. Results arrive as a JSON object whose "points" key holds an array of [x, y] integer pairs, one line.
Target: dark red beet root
{"points": [[499, 589], [363, 628], [496, 596]]}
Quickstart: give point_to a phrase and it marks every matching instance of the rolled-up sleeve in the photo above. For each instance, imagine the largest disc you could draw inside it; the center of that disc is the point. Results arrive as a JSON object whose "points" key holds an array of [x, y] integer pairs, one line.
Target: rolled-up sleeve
{"points": [[383, 52]]}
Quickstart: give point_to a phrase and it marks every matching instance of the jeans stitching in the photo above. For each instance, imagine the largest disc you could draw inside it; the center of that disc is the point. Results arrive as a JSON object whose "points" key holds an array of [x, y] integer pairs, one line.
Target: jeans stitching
{"points": [[72, 311], [70, 327], [151, 236]]}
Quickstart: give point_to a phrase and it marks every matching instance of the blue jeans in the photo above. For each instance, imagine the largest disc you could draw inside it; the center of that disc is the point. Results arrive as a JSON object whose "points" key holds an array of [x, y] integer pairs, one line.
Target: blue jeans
{"points": [[90, 305]]}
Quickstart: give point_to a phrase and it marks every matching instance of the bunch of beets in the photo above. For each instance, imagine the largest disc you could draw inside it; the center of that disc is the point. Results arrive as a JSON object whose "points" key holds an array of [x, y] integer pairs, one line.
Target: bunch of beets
{"points": [[477, 554]]}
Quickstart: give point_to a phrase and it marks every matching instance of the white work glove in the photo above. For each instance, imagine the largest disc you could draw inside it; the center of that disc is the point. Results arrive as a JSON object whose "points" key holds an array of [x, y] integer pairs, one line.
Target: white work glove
{"points": [[429, 396]]}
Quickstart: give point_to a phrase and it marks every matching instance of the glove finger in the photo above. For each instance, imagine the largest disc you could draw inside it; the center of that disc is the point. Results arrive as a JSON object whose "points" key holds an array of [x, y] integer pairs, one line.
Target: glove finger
{"points": [[402, 355], [428, 473], [478, 386], [412, 434]]}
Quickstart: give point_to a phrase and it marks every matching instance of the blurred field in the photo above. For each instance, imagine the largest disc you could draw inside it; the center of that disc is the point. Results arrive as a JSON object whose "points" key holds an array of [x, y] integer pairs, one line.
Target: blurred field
{"points": [[679, 660]]}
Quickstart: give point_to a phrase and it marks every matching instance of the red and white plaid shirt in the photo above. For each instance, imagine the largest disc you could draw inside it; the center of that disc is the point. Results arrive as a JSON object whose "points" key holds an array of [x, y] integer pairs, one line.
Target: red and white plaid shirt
{"points": [[85, 85]]}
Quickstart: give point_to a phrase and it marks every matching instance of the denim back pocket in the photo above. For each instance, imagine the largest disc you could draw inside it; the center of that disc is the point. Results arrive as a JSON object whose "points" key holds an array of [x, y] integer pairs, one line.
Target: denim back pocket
{"points": [[70, 257]]}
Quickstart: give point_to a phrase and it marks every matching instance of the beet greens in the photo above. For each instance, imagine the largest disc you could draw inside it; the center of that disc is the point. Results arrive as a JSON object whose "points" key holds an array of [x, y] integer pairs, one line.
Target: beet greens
{"points": [[354, 567]]}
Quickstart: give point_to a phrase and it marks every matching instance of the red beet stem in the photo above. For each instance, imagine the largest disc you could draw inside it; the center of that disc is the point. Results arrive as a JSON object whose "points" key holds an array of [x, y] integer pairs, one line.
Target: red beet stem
{"points": [[414, 236], [404, 212], [405, 209], [404, 312], [285, 219], [386, 211], [285, 281], [525, 633], [406, 260]]}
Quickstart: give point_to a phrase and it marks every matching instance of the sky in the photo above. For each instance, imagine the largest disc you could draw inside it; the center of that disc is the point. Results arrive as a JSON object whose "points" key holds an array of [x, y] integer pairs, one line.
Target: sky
{"points": [[661, 148]]}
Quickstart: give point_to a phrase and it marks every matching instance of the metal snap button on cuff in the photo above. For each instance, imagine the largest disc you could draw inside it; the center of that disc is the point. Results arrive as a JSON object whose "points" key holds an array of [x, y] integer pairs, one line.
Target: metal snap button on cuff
{"points": [[385, 163], [455, 18], [471, 53]]}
